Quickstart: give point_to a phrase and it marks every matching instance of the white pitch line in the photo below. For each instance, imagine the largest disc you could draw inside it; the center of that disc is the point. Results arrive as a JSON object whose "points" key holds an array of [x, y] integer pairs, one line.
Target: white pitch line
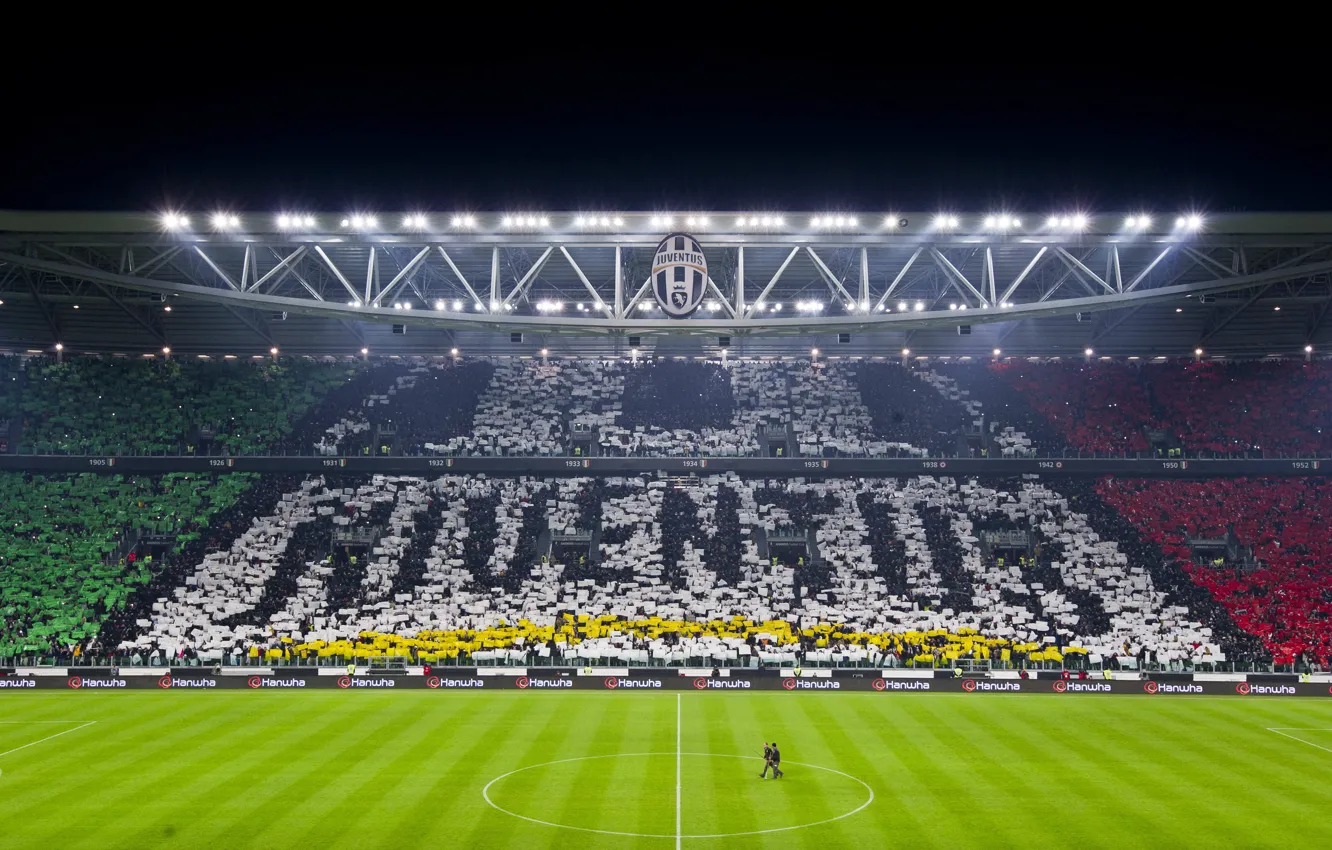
{"points": [[678, 831], [48, 737], [1301, 740]]}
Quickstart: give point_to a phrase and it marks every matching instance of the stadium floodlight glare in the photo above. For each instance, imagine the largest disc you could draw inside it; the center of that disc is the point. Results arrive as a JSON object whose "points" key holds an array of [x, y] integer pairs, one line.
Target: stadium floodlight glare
{"points": [[919, 306], [453, 351], [166, 349], [1197, 352], [997, 352], [1079, 221], [740, 222], [952, 306], [273, 351], [225, 221], [991, 221], [944, 222], [1052, 221], [710, 306], [1308, 349], [889, 222], [1088, 352], [864, 306], [365, 350], [59, 346], [479, 307], [901, 306], [777, 307], [906, 352], [814, 352], [439, 305], [174, 221]]}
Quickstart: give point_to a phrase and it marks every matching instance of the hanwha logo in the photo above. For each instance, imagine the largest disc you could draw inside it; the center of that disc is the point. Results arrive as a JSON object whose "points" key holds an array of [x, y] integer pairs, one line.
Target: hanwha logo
{"points": [[968, 685], [700, 684], [789, 684], [1061, 687], [878, 684], [432, 682], [344, 681], [164, 682], [254, 682], [75, 682], [612, 682], [521, 682], [1242, 688], [679, 275], [1150, 687]]}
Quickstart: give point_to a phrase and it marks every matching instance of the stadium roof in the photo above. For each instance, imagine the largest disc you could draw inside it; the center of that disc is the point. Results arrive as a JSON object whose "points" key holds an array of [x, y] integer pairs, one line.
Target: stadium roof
{"points": [[1050, 284]]}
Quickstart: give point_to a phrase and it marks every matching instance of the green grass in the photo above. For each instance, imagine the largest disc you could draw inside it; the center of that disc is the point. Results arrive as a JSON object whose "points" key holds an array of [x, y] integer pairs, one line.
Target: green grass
{"points": [[403, 770]]}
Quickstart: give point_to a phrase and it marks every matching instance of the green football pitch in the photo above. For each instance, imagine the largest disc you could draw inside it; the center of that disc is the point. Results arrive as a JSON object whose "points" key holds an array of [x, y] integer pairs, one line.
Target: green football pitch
{"points": [[528, 770]]}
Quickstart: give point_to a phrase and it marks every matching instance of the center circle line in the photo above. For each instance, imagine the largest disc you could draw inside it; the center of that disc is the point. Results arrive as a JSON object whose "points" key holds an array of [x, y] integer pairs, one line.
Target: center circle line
{"points": [[485, 794]]}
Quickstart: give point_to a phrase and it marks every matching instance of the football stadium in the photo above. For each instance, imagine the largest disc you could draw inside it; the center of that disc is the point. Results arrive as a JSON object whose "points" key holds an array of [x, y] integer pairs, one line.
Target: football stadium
{"points": [[612, 529]]}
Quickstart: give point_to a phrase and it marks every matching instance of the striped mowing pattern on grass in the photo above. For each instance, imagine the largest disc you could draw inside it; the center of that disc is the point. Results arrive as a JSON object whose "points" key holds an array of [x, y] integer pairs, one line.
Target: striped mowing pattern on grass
{"points": [[406, 770]]}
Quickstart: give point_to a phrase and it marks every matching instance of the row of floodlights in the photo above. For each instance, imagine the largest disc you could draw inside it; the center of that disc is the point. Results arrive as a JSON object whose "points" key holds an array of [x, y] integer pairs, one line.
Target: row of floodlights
{"points": [[1071, 222]]}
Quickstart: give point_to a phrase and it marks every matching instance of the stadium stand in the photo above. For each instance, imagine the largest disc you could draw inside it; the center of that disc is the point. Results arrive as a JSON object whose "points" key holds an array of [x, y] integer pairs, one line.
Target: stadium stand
{"points": [[712, 570], [1245, 408], [1281, 594], [120, 406]]}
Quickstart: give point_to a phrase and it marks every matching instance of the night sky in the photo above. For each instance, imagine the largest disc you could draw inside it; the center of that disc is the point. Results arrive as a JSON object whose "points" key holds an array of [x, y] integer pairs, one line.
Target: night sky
{"points": [[542, 133]]}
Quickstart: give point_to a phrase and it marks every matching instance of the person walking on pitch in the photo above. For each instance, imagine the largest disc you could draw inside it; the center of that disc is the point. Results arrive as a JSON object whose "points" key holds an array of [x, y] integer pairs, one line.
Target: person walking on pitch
{"points": [[776, 761], [767, 760]]}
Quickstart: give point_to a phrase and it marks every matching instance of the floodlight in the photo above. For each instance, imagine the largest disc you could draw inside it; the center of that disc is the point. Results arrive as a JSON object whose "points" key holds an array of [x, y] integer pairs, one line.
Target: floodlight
{"points": [[1197, 352], [346, 222], [453, 351], [544, 352], [545, 222], [816, 221], [1079, 221], [711, 305], [889, 222], [1052, 221], [990, 221], [952, 306], [906, 352], [740, 222], [580, 221], [1194, 221], [1308, 349], [357, 221], [225, 221], [506, 221], [864, 306], [284, 221], [365, 351], [996, 352], [456, 221], [901, 306], [919, 306], [457, 306], [777, 307], [814, 352], [173, 221], [439, 305], [942, 221], [851, 221], [1088, 352], [1277, 308], [619, 222], [59, 346], [840, 221], [406, 305], [778, 221], [1130, 222], [166, 349], [273, 351], [469, 221]]}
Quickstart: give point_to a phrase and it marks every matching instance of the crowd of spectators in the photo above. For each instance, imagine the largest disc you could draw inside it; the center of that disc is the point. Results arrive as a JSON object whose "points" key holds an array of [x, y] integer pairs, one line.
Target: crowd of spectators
{"points": [[1099, 408], [1249, 408], [905, 409], [1286, 600]]}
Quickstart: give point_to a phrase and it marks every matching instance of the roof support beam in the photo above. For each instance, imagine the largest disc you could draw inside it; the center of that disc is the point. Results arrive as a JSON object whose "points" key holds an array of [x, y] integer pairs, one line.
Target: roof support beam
{"points": [[48, 315], [111, 296], [956, 277], [777, 275], [1234, 314], [398, 278], [476, 299], [892, 287], [597, 301], [1142, 275], [356, 296], [280, 270], [217, 270], [1022, 275], [1081, 269], [530, 276], [828, 277]]}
